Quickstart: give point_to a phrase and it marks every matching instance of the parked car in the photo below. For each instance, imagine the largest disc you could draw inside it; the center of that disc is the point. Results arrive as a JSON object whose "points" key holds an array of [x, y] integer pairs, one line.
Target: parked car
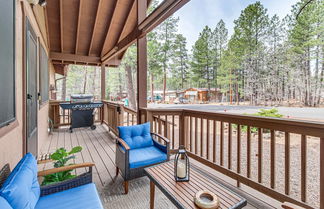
{"points": [[181, 100]]}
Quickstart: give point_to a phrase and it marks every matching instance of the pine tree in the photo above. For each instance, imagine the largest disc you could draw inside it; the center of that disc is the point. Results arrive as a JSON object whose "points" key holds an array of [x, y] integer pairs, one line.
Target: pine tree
{"points": [[180, 62], [202, 66]]}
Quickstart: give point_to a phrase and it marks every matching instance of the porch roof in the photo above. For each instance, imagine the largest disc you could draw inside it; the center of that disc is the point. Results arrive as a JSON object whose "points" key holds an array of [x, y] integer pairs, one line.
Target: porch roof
{"points": [[99, 32]]}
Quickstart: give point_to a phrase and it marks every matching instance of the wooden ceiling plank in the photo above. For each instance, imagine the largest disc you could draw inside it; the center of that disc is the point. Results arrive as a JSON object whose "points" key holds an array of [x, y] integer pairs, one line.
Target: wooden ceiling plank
{"points": [[61, 25], [163, 11], [78, 28], [110, 25], [94, 26], [133, 8]]}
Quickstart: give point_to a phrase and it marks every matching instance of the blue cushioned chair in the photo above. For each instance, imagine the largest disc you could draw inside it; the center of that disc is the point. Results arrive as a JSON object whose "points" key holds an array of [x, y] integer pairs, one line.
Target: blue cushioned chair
{"points": [[21, 190], [136, 149]]}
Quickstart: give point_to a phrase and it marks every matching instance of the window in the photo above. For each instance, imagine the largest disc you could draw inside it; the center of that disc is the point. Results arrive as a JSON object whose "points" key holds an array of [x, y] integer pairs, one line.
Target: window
{"points": [[43, 75], [7, 62]]}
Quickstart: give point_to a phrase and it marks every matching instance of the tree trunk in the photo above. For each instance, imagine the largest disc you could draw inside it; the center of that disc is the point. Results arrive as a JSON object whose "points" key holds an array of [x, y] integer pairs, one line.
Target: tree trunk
{"points": [[152, 87], [63, 96], [85, 80], [164, 85], [130, 87]]}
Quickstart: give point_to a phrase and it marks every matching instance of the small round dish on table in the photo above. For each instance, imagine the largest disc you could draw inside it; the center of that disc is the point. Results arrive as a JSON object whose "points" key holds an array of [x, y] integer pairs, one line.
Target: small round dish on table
{"points": [[206, 200]]}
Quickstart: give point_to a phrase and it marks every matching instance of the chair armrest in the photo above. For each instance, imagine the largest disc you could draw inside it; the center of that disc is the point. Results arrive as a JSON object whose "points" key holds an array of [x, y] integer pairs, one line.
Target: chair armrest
{"points": [[161, 137], [123, 143], [288, 205], [64, 168]]}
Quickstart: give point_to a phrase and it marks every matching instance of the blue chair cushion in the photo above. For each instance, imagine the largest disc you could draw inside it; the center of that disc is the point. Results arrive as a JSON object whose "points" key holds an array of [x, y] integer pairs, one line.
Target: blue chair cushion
{"points": [[137, 136], [21, 189], [4, 204], [82, 197], [145, 156]]}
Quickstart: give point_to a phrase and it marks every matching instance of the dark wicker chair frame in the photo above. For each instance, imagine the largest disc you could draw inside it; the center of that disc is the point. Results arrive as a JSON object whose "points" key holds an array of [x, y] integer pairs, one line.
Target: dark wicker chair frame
{"points": [[122, 158], [80, 180]]}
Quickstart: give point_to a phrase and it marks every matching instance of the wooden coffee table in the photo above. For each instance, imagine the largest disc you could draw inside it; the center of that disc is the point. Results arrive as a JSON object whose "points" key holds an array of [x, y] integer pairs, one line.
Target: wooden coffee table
{"points": [[182, 193]]}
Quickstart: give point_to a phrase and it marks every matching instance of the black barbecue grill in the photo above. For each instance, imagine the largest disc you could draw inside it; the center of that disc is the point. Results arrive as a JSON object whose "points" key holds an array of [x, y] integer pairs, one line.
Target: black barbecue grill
{"points": [[82, 114]]}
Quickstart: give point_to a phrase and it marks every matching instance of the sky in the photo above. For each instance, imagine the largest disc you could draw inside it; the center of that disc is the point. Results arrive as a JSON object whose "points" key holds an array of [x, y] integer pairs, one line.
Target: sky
{"points": [[196, 14]]}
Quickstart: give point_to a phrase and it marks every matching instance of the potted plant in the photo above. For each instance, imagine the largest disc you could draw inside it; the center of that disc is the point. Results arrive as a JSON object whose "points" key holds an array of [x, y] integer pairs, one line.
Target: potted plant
{"points": [[60, 158]]}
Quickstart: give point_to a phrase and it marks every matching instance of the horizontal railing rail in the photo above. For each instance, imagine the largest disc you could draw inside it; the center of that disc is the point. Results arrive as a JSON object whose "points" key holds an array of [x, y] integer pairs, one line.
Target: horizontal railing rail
{"points": [[282, 158]]}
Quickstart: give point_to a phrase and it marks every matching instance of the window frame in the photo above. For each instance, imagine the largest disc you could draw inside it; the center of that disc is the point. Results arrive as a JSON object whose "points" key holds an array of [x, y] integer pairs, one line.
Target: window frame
{"points": [[14, 118]]}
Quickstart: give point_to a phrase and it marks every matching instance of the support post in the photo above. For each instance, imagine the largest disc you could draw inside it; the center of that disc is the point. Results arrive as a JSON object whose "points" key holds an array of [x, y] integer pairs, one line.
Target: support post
{"points": [[103, 82], [141, 62]]}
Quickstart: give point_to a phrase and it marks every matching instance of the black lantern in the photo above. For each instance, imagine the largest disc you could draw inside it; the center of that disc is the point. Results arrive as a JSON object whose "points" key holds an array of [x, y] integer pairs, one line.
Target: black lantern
{"points": [[181, 165]]}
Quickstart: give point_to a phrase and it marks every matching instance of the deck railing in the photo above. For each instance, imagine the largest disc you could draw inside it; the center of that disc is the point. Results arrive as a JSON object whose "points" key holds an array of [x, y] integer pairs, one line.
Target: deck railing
{"points": [[61, 117], [115, 114], [281, 158]]}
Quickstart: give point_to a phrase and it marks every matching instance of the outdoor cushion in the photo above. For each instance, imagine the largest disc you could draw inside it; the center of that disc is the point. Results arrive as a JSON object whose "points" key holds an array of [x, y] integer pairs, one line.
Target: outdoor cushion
{"points": [[137, 136], [21, 189], [4, 204], [145, 156], [82, 197]]}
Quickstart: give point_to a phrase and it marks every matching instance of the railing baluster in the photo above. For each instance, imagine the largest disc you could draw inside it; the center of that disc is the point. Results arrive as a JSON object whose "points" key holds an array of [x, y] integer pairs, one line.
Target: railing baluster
{"points": [[229, 145], [127, 119], [132, 119], [190, 132], [201, 137], [238, 151], [214, 143], [303, 167], [155, 125], [207, 144], [287, 163], [160, 124], [248, 155], [196, 135], [260, 145], [173, 125], [221, 142], [272, 159], [166, 126]]}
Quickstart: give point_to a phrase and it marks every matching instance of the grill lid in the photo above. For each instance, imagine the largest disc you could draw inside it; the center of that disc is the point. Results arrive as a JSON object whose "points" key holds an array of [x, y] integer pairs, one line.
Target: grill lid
{"points": [[81, 98]]}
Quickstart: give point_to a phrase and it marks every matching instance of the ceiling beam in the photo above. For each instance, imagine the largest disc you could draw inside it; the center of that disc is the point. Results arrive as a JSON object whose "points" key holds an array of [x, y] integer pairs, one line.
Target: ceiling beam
{"points": [[162, 12], [74, 57], [61, 25], [110, 25], [94, 26], [159, 20], [133, 7], [57, 57], [78, 28], [47, 30]]}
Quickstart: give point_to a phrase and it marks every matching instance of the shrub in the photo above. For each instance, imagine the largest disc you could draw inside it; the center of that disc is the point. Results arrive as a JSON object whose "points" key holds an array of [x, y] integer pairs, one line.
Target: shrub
{"points": [[274, 113]]}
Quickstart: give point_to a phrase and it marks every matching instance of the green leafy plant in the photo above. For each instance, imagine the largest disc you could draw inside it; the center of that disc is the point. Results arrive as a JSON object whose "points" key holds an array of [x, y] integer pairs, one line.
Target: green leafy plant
{"points": [[274, 113], [61, 158]]}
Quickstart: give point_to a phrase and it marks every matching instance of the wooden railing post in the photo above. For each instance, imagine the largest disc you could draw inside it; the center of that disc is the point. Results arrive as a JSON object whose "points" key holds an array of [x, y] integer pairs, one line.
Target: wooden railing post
{"points": [[183, 125], [120, 115], [149, 118]]}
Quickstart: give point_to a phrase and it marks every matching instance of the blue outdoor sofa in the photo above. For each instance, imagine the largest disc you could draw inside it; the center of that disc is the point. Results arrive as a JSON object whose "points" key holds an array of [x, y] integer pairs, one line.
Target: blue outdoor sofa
{"points": [[136, 149], [20, 189]]}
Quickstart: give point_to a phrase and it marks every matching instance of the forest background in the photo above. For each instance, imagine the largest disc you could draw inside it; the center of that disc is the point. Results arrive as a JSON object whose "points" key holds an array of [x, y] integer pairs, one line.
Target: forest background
{"points": [[265, 60]]}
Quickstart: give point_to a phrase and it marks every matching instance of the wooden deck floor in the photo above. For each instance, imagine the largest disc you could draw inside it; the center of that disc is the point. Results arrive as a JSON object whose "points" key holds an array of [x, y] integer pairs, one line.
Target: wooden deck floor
{"points": [[99, 147]]}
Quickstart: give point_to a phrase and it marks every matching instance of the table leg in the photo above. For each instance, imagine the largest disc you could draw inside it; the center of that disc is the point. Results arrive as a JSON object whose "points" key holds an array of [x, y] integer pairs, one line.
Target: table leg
{"points": [[152, 194]]}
